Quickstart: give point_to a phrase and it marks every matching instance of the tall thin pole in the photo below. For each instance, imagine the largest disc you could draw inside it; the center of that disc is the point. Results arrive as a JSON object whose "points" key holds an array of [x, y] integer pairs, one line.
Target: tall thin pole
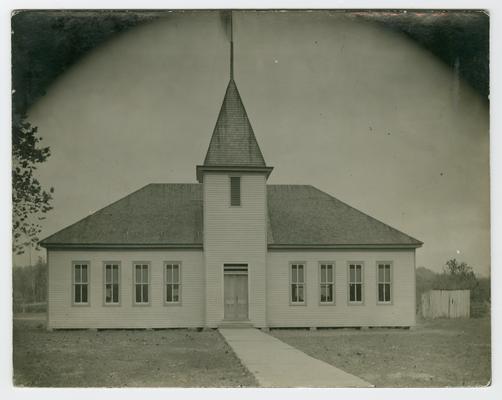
{"points": [[231, 47]]}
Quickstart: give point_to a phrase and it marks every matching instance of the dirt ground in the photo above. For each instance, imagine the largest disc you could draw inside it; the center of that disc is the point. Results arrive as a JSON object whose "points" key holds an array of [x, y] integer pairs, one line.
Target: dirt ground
{"points": [[435, 354], [117, 358]]}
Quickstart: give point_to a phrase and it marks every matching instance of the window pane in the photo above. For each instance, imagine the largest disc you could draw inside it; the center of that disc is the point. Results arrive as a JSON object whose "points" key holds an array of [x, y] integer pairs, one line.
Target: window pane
{"points": [[352, 273], [300, 293], [115, 273], [169, 274], [294, 295], [300, 274], [387, 292], [138, 273], [330, 274], [235, 191], [329, 293], [108, 293], [176, 273], [387, 273], [380, 292], [358, 274], [78, 294], [145, 293], [115, 293], [294, 274], [169, 293], [323, 273], [78, 276], [145, 273], [352, 292], [84, 293], [323, 293], [138, 293], [381, 273], [358, 292], [176, 293], [108, 274], [84, 273]]}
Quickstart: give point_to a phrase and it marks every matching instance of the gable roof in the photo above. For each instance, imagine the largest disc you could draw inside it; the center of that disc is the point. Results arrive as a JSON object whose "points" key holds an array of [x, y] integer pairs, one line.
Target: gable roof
{"points": [[170, 215], [233, 142]]}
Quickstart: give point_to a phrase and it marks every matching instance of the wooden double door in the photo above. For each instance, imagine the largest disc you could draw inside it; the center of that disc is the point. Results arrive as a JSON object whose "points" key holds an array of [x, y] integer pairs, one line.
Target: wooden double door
{"points": [[236, 297]]}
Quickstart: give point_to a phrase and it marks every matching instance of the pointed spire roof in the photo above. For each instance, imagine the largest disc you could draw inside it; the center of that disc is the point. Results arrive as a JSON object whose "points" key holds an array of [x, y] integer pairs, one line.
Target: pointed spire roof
{"points": [[233, 142]]}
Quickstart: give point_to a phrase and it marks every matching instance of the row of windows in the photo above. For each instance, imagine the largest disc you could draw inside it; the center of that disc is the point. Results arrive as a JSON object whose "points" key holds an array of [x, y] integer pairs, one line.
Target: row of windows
{"points": [[355, 283], [141, 283]]}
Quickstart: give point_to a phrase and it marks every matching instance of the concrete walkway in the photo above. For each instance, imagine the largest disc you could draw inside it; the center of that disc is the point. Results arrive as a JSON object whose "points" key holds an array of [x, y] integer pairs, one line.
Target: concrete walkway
{"points": [[277, 364]]}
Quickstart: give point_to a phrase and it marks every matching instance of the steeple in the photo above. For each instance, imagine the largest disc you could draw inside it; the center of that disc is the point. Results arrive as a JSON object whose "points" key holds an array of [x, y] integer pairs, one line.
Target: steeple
{"points": [[233, 145]]}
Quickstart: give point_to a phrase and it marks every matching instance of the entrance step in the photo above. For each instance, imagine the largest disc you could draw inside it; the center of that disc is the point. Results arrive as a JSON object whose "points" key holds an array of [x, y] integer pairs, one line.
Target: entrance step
{"points": [[235, 324]]}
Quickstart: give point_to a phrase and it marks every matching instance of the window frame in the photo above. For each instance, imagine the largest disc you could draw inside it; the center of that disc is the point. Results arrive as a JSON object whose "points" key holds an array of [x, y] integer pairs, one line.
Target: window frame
{"points": [[180, 283], [73, 302], [290, 283], [391, 301], [112, 304], [240, 190], [148, 283], [333, 283], [355, 303]]}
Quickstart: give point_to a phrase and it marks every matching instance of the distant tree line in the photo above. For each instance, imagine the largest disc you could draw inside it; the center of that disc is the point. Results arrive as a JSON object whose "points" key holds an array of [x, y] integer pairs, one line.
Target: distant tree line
{"points": [[456, 275], [29, 285]]}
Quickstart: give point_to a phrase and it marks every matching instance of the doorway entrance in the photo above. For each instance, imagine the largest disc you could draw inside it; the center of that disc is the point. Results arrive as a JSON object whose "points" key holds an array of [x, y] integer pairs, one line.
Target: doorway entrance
{"points": [[236, 292]]}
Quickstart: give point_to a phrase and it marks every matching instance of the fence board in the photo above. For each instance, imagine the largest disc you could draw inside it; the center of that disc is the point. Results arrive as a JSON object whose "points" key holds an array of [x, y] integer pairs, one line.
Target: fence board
{"points": [[446, 304]]}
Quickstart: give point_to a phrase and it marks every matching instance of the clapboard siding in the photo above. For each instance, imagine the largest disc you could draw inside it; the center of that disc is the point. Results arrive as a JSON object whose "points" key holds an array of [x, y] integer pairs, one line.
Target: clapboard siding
{"points": [[62, 314], [235, 235], [400, 313]]}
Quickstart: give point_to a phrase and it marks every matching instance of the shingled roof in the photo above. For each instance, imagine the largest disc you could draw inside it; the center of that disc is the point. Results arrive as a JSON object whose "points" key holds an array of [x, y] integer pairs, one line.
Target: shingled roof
{"points": [[233, 142], [170, 215]]}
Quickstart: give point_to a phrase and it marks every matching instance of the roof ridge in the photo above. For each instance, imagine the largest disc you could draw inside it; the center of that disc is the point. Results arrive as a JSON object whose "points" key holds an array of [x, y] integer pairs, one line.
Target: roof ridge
{"points": [[366, 214]]}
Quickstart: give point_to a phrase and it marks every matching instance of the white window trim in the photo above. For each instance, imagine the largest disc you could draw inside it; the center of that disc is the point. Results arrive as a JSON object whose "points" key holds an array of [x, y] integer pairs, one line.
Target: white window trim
{"points": [[391, 301], [333, 265], [81, 304], [290, 268], [134, 283], [112, 304], [180, 283], [355, 303]]}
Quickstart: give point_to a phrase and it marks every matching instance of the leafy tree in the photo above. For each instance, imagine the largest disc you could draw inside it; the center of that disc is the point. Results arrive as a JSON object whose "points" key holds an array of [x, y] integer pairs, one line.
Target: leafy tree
{"points": [[30, 201], [456, 275]]}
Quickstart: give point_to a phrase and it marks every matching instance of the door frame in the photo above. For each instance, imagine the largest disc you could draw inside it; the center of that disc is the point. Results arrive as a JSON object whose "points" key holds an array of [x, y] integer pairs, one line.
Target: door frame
{"points": [[236, 268]]}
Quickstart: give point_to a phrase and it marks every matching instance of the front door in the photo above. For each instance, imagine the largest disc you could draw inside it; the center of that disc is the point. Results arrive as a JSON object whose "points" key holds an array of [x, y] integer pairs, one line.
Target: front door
{"points": [[236, 297]]}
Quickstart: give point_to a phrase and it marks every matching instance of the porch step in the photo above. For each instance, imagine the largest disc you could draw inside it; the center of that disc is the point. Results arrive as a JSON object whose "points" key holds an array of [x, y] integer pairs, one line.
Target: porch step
{"points": [[235, 324]]}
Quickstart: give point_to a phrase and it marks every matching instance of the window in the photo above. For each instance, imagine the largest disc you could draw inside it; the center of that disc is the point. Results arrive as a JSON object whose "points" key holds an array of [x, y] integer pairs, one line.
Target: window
{"points": [[355, 283], [297, 283], [112, 285], [384, 282], [173, 282], [327, 282], [141, 282], [235, 190], [80, 283]]}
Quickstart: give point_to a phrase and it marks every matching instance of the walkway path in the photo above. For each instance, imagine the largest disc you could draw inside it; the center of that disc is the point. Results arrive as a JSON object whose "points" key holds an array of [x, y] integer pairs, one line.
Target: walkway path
{"points": [[277, 364]]}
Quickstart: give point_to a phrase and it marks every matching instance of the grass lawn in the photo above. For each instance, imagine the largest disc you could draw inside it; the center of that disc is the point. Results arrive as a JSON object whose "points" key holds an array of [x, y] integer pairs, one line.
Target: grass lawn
{"points": [[437, 353], [163, 358]]}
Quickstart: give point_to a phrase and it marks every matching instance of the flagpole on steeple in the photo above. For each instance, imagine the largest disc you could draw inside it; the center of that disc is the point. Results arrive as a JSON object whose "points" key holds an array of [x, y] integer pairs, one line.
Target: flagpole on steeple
{"points": [[231, 48]]}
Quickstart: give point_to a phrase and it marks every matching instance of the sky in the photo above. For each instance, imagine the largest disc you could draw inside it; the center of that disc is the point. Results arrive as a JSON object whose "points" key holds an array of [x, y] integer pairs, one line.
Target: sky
{"points": [[360, 112]]}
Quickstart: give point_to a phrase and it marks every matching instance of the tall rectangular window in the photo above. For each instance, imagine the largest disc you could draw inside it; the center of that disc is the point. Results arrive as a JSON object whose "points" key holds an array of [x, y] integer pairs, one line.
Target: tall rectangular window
{"points": [[173, 282], [80, 283], [297, 283], [141, 283], [235, 190], [112, 283], [384, 282], [355, 283], [327, 283]]}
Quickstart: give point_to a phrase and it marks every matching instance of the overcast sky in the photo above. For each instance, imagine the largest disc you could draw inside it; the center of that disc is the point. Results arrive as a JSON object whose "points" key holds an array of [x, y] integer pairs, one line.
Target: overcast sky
{"points": [[357, 111]]}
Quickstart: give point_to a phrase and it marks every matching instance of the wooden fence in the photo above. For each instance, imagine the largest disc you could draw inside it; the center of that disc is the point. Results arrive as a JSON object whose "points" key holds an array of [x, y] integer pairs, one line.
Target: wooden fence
{"points": [[446, 304]]}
